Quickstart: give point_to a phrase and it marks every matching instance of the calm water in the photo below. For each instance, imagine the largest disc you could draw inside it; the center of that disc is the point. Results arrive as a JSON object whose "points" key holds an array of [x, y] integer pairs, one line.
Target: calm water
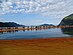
{"points": [[47, 33]]}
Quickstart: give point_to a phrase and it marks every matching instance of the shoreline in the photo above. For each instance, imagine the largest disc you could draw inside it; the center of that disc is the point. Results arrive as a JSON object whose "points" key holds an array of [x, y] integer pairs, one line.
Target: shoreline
{"points": [[45, 46], [38, 39]]}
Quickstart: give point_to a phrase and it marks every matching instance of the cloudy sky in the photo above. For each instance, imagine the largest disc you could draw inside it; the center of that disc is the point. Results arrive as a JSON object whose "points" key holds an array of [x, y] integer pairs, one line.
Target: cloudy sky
{"points": [[35, 12]]}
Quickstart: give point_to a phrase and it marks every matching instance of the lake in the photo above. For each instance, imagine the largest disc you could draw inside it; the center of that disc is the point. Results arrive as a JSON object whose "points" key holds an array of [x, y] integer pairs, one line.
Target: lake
{"points": [[31, 34]]}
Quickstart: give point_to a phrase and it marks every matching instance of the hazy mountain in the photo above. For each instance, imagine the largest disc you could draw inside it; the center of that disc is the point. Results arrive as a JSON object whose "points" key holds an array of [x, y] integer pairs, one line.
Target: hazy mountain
{"points": [[47, 25]]}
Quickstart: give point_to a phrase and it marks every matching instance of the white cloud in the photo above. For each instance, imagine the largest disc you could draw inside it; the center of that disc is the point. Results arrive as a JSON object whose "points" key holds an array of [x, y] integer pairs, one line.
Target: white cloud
{"points": [[52, 8]]}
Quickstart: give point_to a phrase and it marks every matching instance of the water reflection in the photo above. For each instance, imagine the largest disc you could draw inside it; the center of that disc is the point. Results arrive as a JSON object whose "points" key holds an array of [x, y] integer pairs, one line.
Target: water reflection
{"points": [[23, 30], [68, 31], [1, 32], [12, 31]]}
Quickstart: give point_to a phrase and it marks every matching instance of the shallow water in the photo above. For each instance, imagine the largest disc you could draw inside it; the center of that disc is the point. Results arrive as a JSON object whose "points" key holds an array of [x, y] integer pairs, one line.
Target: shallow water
{"points": [[46, 33]]}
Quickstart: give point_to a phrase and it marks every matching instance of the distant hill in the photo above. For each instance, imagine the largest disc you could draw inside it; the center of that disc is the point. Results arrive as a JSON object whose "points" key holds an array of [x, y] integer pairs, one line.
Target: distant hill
{"points": [[9, 24], [46, 25], [68, 20]]}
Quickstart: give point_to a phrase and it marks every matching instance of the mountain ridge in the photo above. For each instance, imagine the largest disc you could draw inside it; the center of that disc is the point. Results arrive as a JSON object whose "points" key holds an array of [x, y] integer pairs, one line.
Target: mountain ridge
{"points": [[10, 24]]}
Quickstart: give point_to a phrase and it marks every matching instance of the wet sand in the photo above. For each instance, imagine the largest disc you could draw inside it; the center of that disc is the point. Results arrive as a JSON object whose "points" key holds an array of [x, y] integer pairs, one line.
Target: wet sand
{"points": [[48, 46]]}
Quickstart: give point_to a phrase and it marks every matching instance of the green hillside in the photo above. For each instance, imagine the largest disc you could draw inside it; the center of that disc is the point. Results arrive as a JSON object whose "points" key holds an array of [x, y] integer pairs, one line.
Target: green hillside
{"points": [[68, 20]]}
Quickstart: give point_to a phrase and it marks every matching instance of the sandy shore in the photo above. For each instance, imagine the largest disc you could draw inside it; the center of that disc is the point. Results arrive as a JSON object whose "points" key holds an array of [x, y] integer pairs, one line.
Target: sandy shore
{"points": [[49, 46]]}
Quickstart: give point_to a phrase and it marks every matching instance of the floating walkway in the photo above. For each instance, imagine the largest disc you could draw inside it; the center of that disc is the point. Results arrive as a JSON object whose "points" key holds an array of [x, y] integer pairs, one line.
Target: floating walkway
{"points": [[5, 29]]}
